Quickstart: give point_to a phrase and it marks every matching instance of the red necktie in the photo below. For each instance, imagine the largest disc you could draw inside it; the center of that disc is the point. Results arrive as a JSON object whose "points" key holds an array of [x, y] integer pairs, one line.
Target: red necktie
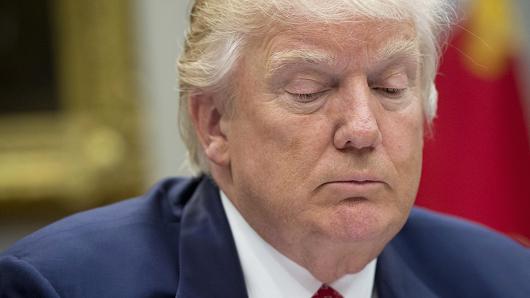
{"points": [[326, 291]]}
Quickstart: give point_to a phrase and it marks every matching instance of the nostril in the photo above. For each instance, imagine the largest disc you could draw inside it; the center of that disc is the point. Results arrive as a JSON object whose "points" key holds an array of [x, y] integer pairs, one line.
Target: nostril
{"points": [[350, 137], [359, 151]]}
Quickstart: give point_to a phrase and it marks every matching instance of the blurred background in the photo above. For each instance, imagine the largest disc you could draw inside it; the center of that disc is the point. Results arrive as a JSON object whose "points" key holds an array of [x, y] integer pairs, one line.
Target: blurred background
{"points": [[88, 111]]}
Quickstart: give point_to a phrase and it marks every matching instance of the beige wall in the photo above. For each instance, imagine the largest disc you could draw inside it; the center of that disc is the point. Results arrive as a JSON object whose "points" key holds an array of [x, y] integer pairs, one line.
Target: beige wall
{"points": [[160, 27]]}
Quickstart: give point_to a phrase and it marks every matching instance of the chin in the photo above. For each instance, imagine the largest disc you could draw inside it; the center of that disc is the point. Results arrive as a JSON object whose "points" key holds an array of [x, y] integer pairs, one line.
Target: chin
{"points": [[365, 224]]}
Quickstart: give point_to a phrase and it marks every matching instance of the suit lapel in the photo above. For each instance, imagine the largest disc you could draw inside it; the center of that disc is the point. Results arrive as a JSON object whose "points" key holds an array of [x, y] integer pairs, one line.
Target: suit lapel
{"points": [[395, 279], [209, 264]]}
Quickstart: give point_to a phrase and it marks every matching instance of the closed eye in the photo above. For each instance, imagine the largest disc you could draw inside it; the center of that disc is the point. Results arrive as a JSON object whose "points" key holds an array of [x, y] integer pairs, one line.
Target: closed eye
{"points": [[390, 92], [306, 97]]}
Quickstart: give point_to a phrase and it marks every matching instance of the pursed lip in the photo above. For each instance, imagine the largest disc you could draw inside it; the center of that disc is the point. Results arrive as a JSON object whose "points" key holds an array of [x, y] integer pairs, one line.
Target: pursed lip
{"points": [[356, 184], [358, 179], [366, 182]]}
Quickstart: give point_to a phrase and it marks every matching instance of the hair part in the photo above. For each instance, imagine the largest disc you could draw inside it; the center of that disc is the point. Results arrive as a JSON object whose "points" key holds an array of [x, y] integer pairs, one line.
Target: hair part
{"points": [[219, 30]]}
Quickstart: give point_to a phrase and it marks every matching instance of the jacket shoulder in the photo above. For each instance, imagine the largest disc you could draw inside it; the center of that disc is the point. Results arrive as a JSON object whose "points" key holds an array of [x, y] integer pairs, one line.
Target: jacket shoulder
{"points": [[89, 251], [455, 256], [438, 228]]}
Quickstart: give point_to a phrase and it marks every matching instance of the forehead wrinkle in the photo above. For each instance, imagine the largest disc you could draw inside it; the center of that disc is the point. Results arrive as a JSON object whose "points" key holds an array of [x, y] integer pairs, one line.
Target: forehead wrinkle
{"points": [[280, 59]]}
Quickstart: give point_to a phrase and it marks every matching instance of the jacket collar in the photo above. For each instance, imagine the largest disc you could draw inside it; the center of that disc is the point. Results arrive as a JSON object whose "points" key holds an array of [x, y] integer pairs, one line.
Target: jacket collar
{"points": [[394, 278], [209, 264]]}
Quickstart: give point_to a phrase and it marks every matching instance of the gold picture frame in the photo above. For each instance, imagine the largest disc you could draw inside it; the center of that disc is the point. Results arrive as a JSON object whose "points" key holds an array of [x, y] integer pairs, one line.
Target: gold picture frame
{"points": [[89, 151]]}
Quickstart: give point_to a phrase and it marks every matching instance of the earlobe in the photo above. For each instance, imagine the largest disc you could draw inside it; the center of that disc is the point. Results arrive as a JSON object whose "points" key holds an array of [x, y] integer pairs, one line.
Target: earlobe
{"points": [[217, 152], [207, 116]]}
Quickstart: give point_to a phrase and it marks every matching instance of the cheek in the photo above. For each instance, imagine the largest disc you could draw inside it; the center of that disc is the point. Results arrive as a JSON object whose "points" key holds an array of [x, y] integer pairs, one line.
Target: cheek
{"points": [[278, 132], [403, 142], [280, 147]]}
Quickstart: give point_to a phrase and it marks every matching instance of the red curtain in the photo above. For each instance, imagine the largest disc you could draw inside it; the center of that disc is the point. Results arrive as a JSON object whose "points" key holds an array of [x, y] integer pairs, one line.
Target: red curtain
{"points": [[477, 163]]}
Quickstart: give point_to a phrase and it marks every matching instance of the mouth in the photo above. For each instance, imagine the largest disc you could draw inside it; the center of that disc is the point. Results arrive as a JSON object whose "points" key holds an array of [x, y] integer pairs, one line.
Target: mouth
{"points": [[357, 183], [355, 188]]}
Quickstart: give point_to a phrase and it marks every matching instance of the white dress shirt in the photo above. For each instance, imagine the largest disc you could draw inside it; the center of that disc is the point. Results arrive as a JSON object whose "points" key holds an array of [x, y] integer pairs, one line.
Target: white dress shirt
{"points": [[268, 273]]}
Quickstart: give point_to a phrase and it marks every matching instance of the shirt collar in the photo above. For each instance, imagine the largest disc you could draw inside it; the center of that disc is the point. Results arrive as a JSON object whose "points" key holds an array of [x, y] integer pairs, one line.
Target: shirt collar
{"points": [[268, 273]]}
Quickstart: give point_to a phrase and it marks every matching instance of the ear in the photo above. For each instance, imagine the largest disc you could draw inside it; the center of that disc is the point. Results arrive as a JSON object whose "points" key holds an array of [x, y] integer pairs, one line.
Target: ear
{"points": [[206, 115]]}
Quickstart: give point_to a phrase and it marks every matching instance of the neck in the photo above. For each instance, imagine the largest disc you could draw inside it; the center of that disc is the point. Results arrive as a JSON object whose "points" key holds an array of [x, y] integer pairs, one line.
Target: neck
{"points": [[326, 259]]}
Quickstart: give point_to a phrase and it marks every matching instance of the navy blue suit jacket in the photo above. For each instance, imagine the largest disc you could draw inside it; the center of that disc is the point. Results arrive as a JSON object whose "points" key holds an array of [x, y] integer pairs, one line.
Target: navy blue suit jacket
{"points": [[176, 242]]}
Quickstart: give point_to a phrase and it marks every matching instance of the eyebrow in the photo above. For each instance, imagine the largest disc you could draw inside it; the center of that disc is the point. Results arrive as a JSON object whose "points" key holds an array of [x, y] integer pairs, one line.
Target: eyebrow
{"points": [[394, 49], [397, 49], [281, 59]]}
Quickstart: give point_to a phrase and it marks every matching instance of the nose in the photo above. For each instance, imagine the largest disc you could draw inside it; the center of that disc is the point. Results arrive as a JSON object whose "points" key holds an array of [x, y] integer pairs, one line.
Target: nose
{"points": [[358, 126]]}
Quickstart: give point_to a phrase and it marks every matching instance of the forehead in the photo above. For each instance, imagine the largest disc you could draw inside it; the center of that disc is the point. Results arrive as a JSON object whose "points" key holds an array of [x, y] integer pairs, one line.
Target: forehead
{"points": [[362, 40]]}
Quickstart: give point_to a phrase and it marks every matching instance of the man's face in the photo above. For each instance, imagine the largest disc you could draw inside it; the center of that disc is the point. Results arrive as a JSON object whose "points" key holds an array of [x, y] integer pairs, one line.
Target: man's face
{"points": [[325, 141]]}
